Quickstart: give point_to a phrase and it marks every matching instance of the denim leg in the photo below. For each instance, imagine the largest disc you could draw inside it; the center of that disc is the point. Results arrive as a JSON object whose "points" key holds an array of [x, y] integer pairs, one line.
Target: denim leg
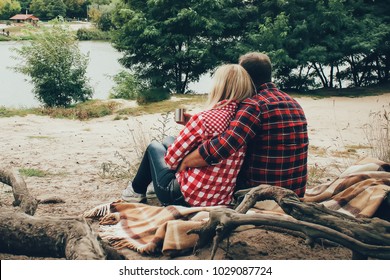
{"points": [[153, 168], [168, 141], [144, 176]]}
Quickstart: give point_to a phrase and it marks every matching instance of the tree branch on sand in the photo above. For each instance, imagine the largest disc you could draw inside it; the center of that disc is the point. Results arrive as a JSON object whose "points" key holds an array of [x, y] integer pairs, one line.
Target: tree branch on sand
{"points": [[22, 233], [365, 237]]}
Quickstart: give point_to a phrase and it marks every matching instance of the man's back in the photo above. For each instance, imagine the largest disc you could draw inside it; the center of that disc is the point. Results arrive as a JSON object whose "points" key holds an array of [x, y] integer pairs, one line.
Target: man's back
{"points": [[274, 127]]}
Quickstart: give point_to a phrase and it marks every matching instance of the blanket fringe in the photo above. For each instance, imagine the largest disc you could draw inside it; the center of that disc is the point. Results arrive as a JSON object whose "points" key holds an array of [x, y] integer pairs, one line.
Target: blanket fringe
{"points": [[98, 211], [110, 219], [147, 248]]}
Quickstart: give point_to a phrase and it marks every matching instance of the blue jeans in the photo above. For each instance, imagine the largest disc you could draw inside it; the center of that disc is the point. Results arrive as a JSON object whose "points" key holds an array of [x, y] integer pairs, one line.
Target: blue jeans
{"points": [[154, 169]]}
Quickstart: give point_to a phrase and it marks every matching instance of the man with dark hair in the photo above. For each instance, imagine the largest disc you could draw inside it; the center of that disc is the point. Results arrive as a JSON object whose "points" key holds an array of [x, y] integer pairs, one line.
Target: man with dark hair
{"points": [[273, 126]]}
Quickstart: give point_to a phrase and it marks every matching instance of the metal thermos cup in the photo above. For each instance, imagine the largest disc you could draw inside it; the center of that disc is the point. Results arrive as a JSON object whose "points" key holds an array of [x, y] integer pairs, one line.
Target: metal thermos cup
{"points": [[179, 115]]}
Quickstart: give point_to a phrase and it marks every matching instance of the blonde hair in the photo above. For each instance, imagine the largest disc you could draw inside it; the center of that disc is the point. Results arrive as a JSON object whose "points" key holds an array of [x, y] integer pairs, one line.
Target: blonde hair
{"points": [[231, 82]]}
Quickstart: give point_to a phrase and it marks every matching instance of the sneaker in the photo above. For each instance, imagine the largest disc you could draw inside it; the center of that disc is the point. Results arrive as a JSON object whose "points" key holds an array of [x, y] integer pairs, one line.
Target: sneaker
{"points": [[129, 195]]}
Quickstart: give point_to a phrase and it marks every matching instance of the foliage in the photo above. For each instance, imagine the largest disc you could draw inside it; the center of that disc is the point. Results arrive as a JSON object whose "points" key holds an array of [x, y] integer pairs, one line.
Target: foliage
{"points": [[171, 43], [84, 34], [151, 95], [9, 8], [48, 9], [76, 8], [25, 4], [101, 15], [81, 111], [337, 42], [127, 86], [56, 67]]}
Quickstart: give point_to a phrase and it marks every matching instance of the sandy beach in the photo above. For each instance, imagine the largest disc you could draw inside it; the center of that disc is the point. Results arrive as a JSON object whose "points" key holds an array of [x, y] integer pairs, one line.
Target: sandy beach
{"points": [[82, 162]]}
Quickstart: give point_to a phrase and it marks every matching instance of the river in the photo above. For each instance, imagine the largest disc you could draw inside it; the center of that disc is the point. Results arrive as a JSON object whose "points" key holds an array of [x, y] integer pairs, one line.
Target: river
{"points": [[16, 90]]}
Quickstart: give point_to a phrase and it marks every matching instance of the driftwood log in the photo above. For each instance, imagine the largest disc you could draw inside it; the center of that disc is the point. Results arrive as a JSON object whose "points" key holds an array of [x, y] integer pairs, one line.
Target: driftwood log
{"points": [[365, 237], [22, 233]]}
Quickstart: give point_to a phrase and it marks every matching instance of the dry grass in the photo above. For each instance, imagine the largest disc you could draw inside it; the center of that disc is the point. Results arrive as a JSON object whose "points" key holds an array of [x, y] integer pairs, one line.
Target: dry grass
{"points": [[98, 108], [320, 151], [164, 106], [316, 174], [377, 133], [125, 169]]}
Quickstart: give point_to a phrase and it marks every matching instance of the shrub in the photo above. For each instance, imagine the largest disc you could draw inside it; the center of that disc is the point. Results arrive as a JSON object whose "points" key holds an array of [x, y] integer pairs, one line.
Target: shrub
{"points": [[85, 34], [152, 95], [56, 66], [127, 86]]}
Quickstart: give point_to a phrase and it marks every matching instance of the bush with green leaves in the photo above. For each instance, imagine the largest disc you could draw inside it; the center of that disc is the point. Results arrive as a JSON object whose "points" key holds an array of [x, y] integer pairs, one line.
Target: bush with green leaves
{"points": [[84, 34], [56, 66], [9, 8], [127, 86], [151, 95], [130, 86]]}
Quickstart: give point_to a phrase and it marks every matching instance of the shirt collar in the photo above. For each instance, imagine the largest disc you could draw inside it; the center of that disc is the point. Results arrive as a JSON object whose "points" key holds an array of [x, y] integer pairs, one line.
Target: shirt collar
{"points": [[264, 86], [226, 104]]}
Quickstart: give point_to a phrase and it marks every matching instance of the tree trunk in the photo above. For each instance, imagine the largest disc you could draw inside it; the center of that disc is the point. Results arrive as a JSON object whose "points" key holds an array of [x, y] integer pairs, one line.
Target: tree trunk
{"points": [[70, 238], [21, 233]]}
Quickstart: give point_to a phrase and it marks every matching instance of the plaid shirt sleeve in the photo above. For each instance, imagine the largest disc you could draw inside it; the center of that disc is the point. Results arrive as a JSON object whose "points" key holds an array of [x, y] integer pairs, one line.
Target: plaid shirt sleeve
{"points": [[241, 130], [188, 139]]}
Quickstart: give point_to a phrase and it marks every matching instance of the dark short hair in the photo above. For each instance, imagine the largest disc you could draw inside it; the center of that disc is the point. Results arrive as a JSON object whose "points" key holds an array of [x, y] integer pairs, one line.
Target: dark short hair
{"points": [[258, 65]]}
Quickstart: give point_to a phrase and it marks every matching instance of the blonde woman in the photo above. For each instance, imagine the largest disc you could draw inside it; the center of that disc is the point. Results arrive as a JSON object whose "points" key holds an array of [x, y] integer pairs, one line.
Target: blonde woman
{"points": [[206, 186]]}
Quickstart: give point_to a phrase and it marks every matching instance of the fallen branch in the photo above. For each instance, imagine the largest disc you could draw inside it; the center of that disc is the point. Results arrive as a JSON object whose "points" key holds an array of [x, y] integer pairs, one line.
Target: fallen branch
{"points": [[69, 238], [365, 237], [28, 204], [21, 233]]}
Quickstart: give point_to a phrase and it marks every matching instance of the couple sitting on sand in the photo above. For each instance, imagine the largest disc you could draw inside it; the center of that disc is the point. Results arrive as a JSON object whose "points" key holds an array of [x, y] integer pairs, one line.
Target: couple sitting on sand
{"points": [[252, 134]]}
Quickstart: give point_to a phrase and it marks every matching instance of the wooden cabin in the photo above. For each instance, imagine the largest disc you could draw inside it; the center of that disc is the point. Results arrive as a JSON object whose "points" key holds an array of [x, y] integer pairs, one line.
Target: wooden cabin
{"points": [[22, 18]]}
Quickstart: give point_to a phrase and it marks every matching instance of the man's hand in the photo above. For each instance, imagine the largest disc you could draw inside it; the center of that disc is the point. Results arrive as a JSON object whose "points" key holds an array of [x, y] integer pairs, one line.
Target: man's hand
{"points": [[193, 159]]}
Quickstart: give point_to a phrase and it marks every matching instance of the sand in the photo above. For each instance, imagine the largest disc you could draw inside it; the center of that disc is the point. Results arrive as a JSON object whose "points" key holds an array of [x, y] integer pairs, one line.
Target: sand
{"points": [[82, 163]]}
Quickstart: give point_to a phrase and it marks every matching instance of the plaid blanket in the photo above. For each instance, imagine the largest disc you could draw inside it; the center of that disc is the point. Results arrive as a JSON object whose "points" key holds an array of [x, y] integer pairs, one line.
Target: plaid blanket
{"points": [[359, 191], [149, 229]]}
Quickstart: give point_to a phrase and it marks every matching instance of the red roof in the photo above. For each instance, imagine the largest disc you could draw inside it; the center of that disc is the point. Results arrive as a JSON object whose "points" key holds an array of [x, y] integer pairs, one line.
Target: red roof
{"points": [[24, 17]]}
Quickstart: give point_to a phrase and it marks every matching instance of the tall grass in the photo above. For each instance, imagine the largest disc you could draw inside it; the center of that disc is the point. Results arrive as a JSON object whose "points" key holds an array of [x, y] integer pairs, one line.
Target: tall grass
{"points": [[123, 167], [377, 133]]}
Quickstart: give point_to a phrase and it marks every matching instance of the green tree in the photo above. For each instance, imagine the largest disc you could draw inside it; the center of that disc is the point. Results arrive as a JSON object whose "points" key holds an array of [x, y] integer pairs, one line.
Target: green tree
{"points": [[25, 6], [101, 15], [171, 43], [56, 67], [76, 8], [336, 41], [48, 9], [9, 8]]}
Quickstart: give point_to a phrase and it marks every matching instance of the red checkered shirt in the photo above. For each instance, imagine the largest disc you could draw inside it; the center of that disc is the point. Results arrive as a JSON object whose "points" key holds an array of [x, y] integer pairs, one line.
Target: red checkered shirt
{"points": [[274, 128], [210, 185]]}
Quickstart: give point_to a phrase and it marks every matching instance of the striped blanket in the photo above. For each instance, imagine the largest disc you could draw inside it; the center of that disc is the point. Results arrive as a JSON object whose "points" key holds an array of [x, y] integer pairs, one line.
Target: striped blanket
{"points": [[359, 191]]}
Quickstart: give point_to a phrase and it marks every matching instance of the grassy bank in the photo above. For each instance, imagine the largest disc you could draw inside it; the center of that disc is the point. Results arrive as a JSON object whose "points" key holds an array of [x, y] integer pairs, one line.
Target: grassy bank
{"points": [[121, 108], [100, 108], [345, 92], [83, 31]]}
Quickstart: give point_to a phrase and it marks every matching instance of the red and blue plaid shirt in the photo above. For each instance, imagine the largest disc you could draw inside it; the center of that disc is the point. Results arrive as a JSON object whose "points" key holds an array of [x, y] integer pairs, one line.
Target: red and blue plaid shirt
{"points": [[273, 126], [210, 185]]}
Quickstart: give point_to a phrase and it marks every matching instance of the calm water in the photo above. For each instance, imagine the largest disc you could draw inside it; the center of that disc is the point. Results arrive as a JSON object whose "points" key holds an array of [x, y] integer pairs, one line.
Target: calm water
{"points": [[16, 91]]}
